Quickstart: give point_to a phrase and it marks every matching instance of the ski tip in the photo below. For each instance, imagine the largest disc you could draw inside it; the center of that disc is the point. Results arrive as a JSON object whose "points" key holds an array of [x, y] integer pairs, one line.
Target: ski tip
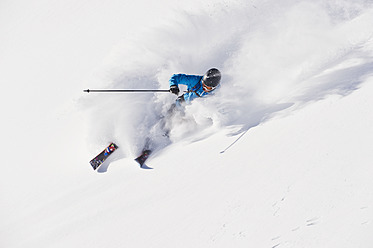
{"points": [[138, 160], [113, 144], [142, 164], [143, 157]]}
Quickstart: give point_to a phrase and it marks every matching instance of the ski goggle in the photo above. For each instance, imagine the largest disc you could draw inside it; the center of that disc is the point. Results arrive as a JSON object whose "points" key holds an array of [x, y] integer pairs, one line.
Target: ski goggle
{"points": [[207, 88]]}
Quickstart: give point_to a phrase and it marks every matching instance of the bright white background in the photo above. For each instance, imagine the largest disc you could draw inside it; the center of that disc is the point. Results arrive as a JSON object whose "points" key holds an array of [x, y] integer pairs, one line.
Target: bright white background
{"points": [[296, 77]]}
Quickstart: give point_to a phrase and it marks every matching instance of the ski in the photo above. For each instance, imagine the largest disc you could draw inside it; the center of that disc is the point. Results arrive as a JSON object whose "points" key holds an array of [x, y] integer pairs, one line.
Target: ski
{"points": [[143, 157], [100, 158]]}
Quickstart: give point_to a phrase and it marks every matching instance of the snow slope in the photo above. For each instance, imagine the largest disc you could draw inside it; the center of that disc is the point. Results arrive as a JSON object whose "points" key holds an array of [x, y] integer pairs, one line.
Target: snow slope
{"points": [[279, 157]]}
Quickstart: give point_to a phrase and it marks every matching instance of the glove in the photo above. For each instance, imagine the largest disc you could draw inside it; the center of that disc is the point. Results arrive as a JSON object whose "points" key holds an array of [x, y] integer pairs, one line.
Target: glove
{"points": [[174, 89]]}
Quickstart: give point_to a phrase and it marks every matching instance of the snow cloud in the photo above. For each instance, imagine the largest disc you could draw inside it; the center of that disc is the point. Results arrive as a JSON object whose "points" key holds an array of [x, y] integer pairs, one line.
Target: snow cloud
{"points": [[271, 55]]}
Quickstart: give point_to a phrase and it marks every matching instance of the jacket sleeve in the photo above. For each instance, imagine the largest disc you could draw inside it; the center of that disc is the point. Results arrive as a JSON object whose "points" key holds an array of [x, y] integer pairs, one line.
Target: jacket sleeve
{"points": [[188, 80]]}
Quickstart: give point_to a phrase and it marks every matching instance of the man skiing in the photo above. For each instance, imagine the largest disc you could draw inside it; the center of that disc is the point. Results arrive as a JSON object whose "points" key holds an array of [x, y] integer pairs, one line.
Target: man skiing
{"points": [[197, 86]]}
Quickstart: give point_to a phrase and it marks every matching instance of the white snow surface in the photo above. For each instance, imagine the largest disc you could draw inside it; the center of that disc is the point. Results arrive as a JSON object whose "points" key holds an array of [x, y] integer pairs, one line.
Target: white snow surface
{"points": [[280, 156]]}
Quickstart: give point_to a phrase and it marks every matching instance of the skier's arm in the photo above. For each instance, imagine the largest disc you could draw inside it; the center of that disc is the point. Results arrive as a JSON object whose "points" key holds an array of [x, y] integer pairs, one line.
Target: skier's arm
{"points": [[174, 81], [188, 80]]}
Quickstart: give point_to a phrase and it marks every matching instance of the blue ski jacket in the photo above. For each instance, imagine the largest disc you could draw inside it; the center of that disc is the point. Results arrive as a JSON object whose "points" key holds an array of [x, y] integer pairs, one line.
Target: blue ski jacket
{"points": [[193, 83]]}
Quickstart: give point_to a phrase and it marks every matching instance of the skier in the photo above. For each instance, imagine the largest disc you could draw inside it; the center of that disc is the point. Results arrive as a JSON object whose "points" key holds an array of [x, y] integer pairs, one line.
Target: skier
{"points": [[197, 86]]}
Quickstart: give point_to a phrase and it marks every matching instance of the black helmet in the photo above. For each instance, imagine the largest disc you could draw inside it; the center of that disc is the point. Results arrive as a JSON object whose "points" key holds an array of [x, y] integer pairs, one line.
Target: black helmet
{"points": [[211, 78]]}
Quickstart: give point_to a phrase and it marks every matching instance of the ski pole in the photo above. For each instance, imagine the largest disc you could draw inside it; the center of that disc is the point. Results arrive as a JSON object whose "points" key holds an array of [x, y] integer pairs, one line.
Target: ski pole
{"points": [[129, 90]]}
